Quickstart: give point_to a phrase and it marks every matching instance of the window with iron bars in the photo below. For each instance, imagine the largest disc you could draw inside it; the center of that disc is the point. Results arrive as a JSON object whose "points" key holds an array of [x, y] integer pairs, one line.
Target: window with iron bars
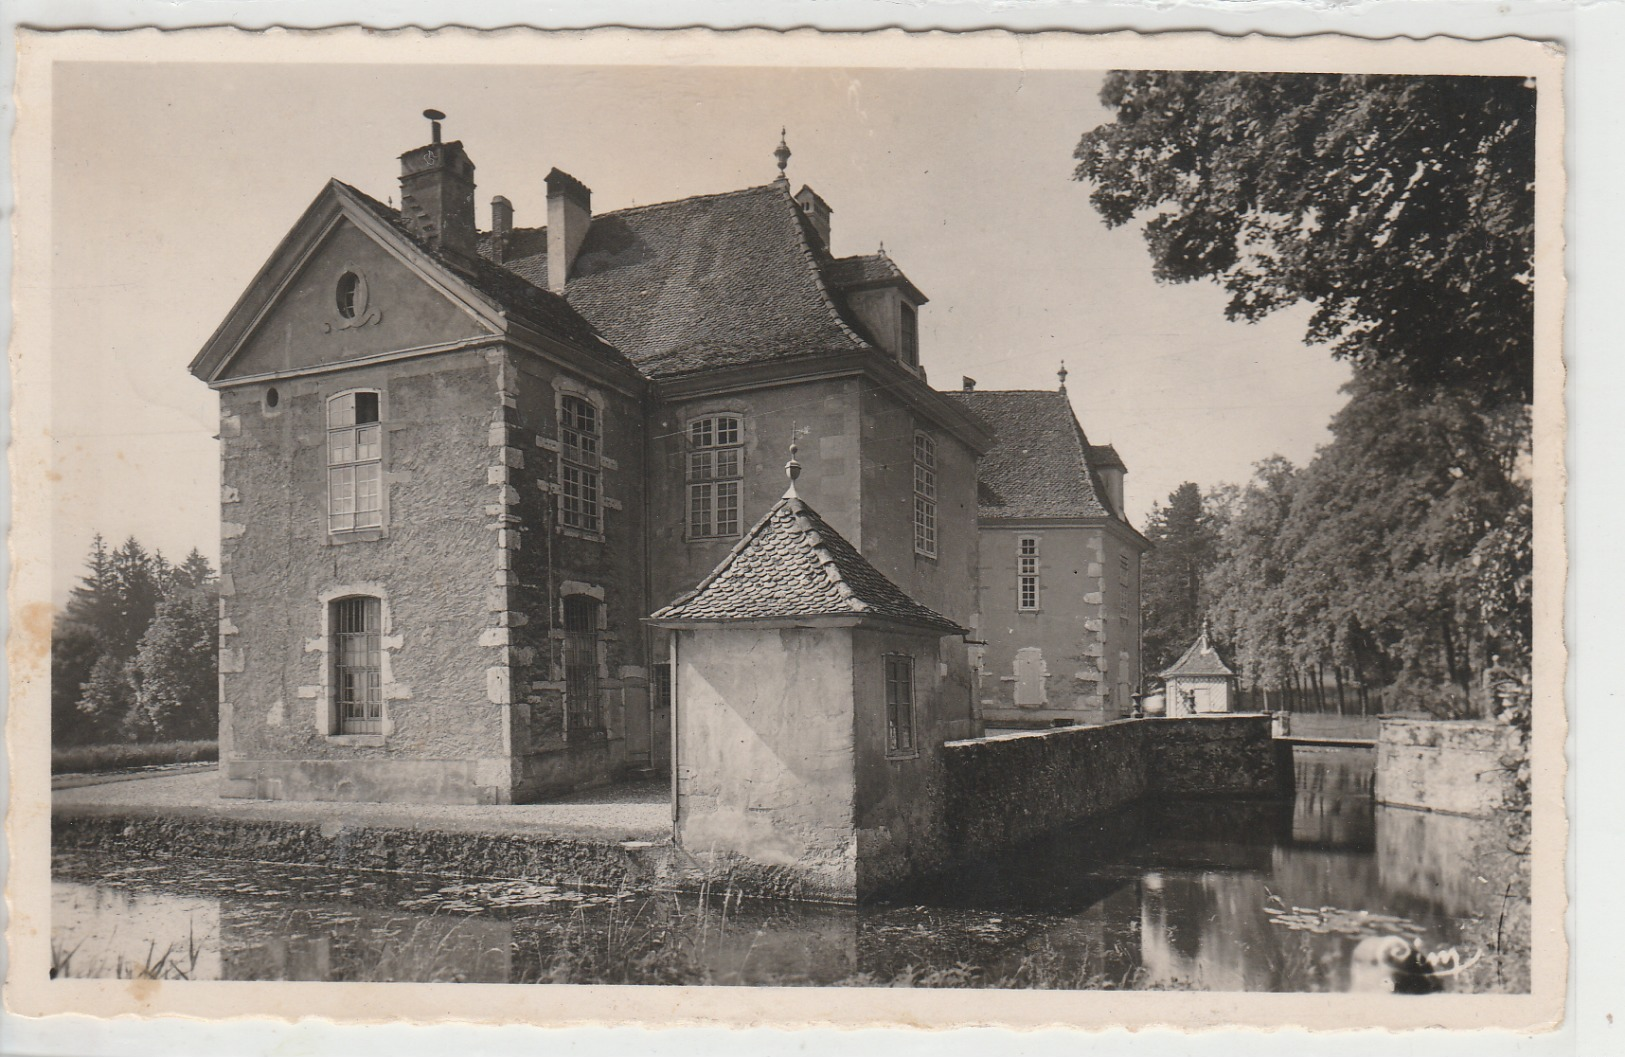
{"points": [[899, 704], [583, 714], [925, 495], [357, 665], [580, 443], [716, 459]]}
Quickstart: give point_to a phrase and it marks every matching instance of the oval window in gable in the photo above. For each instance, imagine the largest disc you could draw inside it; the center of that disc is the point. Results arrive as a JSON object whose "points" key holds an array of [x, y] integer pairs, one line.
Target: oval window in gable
{"points": [[350, 295]]}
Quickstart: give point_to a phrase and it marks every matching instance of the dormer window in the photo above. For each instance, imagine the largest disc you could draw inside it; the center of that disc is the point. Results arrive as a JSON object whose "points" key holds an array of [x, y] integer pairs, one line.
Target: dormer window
{"points": [[910, 334]]}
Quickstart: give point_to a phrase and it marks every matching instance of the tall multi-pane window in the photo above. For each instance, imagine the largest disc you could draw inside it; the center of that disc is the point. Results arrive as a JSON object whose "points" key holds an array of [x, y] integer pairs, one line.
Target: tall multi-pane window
{"points": [[580, 437], [925, 495], [357, 665], [355, 463], [582, 714], [899, 703], [911, 335], [716, 470], [1027, 573]]}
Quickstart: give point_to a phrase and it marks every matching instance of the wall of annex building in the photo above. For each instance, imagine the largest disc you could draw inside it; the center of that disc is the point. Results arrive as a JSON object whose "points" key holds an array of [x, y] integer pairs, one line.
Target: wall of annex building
{"points": [[899, 794], [765, 753], [428, 565]]}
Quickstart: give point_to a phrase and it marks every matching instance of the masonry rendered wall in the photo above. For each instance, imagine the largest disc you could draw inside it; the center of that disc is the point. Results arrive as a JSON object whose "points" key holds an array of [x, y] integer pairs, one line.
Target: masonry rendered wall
{"points": [[830, 479], [1120, 622], [1003, 790], [541, 561], [1462, 767], [899, 798], [1068, 630], [430, 566], [946, 582], [765, 756]]}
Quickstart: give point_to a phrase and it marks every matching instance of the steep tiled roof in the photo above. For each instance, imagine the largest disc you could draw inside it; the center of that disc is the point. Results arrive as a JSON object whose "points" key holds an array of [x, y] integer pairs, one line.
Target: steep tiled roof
{"points": [[512, 292], [704, 282], [792, 564], [1039, 465], [1200, 659]]}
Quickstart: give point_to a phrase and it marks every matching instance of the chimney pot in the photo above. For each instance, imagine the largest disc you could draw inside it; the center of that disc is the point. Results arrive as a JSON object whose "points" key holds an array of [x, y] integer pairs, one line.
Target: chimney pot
{"points": [[968, 384], [437, 195]]}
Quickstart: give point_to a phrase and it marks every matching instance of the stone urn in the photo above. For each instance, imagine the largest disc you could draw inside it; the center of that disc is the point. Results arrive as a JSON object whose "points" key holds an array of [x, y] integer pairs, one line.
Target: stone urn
{"points": [[1154, 704]]}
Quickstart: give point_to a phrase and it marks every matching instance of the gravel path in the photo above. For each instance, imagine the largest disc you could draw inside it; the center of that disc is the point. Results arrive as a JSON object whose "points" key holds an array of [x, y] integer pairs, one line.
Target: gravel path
{"points": [[631, 811]]}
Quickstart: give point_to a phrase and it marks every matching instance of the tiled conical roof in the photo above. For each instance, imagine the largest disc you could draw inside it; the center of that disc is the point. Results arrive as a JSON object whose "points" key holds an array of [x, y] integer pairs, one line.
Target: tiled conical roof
{"points": [[793, 564]]}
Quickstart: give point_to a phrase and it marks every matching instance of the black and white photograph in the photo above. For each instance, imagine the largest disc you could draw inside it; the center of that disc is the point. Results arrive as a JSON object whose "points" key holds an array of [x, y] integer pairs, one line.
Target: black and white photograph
{"points": [[863, 521]]}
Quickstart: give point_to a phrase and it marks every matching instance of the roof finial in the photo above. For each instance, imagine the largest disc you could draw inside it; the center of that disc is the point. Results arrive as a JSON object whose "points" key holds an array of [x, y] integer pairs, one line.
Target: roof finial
{"points": [[1204, 630], [792, 470], [783, 154], [1061, 374], [435, 117], [882, 247]]}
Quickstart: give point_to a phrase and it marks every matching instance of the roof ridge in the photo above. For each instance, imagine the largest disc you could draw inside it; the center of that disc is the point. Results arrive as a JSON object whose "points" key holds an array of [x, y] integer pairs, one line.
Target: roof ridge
{"points": [[815, 270], [683, 201]]}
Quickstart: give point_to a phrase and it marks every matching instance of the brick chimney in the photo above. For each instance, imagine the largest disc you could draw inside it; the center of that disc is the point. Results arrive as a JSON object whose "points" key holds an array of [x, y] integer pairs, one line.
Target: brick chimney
{"points": [[437, 193], [817, 211], [569, 214]]}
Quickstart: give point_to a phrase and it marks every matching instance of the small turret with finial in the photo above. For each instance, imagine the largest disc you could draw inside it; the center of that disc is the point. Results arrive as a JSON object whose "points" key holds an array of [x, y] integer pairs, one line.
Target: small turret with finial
{"points": [[792, 470]]}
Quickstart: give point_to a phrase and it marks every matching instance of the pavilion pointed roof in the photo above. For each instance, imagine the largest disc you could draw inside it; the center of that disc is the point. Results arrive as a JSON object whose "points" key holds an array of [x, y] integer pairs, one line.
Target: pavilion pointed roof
{"points": [[1200, 659], [791, 565]]}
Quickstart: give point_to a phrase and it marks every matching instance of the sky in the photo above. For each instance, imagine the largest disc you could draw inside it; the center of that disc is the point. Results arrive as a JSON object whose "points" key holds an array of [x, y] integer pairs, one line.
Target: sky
{"points": [[172, 184]]}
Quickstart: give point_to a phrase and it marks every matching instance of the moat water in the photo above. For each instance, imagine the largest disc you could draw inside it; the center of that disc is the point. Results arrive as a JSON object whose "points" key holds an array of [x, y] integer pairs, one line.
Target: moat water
{"points": [[1232, 896]]}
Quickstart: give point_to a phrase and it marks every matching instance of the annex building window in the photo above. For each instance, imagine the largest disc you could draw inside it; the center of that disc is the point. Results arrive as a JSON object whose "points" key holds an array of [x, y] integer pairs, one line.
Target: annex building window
{"points": [[582, 714], [357, 665], [911, 334], [899, 704], [581, 439], [716, 469], [925, 495], [1027, 573], [355, 463]]}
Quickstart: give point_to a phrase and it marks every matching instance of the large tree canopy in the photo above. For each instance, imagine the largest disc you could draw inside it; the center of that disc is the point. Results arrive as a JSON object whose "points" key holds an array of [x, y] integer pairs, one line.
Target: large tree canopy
{"points": [[1184, 539], [1400, 208]]}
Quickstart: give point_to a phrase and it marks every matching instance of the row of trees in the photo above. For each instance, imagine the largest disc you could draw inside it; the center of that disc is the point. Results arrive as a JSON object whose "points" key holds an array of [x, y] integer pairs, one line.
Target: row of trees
{"points": [[1400, 210], [1398, 559], [133, 654]]}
